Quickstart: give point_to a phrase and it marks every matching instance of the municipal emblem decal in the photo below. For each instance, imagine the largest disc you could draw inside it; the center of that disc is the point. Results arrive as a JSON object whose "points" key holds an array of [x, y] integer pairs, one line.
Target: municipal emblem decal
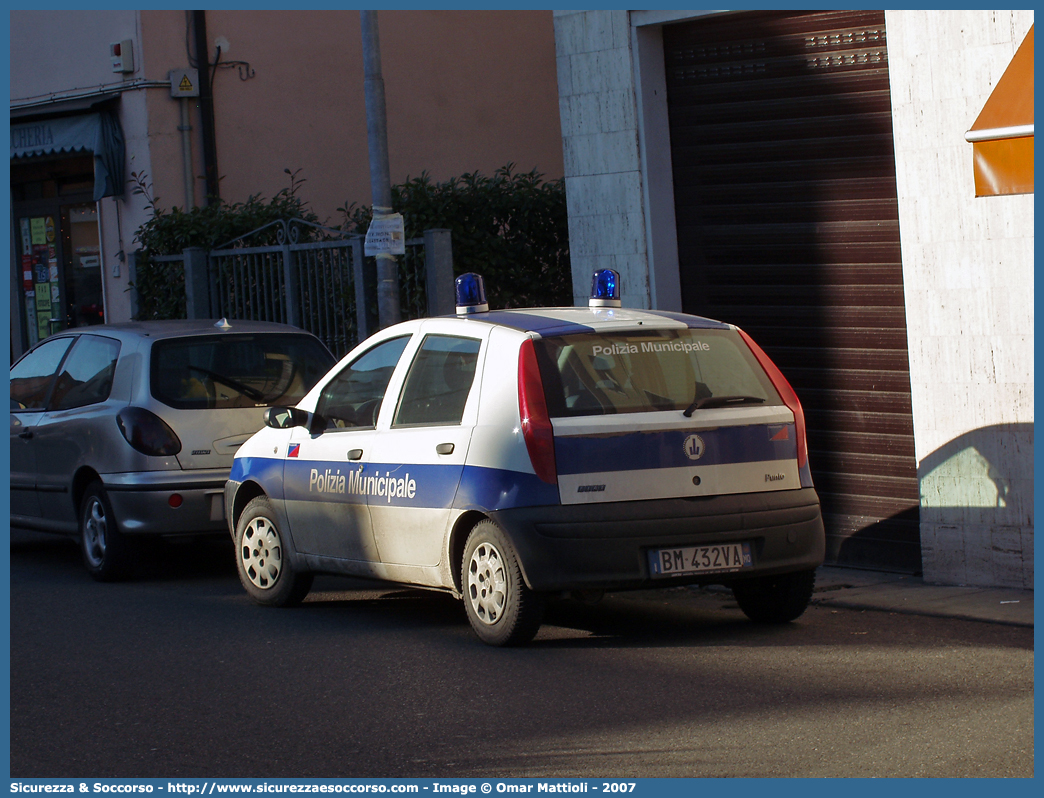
{"points": [[694, 447], [294, 449]]}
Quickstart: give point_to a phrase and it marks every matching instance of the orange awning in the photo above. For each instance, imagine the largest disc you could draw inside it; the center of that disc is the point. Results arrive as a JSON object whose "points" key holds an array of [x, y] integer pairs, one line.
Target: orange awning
{"points": [[1002, 136]]}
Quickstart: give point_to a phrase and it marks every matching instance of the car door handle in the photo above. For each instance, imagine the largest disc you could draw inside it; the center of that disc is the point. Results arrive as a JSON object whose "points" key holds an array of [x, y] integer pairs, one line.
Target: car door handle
{"points": [[444, 448], [27, 434], [355, 454]]}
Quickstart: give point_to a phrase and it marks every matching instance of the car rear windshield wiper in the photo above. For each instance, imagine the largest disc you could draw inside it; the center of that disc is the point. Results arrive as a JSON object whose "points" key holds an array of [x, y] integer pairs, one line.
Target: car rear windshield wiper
{"points": [[721, 401], [246, 390]]}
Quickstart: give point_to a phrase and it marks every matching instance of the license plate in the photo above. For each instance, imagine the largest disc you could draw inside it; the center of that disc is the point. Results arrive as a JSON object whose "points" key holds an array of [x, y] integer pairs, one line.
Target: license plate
{"points": [[700, 559]]}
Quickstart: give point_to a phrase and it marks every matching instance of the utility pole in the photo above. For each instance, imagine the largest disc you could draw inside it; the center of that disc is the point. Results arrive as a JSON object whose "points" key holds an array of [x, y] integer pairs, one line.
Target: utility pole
{"points": [[388, 311]]}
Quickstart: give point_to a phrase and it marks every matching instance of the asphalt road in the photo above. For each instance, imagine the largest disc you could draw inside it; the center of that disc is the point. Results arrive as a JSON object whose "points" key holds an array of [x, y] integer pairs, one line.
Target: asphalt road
{"points": [[177, 674]]}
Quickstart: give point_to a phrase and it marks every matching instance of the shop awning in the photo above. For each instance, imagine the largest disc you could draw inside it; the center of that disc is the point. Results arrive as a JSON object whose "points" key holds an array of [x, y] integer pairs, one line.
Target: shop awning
{"points": [[98, 133], [1002, 136]]}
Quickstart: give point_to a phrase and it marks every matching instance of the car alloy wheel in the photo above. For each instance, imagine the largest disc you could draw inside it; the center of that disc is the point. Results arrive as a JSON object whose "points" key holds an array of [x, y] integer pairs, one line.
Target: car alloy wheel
{"points": [[261, 552], [502, 610], [95, 528], [106, 553], [265, 558], [487, 583]]}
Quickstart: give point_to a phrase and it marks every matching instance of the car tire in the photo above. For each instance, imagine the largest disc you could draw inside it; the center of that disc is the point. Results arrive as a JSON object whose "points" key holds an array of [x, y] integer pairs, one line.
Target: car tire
{"points": [[106, 552], [263, 559], [780, 598], [502, 610]]}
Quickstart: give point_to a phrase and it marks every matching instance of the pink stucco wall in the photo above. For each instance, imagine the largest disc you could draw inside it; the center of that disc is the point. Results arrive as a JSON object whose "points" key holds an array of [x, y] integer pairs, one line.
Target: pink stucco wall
{"points": [[466, 91]]}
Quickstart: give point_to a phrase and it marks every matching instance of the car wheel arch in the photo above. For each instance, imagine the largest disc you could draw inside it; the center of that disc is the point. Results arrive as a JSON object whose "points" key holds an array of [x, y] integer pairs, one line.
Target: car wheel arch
{"points": [[245, 493], [80, 481], [459, 540]]}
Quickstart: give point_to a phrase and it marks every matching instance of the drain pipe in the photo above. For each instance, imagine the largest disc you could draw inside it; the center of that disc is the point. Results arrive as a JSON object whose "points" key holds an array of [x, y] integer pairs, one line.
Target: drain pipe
{"points": [[186, 154], [206, 107]]}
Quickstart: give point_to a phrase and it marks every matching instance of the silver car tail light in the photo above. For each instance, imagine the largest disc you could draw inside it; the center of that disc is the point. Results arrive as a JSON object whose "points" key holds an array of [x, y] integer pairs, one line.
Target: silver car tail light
{"points": [[147, 432]]}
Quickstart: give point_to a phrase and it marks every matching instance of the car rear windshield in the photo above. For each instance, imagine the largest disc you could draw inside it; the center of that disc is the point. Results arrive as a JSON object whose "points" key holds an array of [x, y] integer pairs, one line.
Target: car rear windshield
{"points": [[222, 371], [590, 374]]}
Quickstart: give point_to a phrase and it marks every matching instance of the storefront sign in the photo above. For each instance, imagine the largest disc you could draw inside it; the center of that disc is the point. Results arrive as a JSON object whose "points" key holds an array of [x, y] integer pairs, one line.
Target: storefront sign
{"points": [[99, 133], [43, 298], [37, 230]]}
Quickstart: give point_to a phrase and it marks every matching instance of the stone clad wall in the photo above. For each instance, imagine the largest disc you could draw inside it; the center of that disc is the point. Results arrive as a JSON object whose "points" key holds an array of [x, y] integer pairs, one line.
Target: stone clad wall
{"points": [[968, 275], [596, 100]]}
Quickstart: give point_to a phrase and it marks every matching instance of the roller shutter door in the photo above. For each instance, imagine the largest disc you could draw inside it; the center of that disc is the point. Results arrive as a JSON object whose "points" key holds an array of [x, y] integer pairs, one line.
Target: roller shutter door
{"points": [[784, 180]]}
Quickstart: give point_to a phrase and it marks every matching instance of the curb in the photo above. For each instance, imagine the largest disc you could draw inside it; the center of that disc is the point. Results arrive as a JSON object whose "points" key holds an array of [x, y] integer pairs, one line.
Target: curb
{"points": [[885, 592]]}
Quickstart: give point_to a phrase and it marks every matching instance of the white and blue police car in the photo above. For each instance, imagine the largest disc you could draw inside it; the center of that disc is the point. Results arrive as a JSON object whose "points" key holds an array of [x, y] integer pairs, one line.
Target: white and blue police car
{"points": [[508, 456]]}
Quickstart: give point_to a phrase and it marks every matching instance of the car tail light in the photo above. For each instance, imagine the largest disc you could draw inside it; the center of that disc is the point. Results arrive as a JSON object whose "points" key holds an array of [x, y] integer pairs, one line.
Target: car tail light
{"points": [[532, 409], [786, 393], [147, 432]]}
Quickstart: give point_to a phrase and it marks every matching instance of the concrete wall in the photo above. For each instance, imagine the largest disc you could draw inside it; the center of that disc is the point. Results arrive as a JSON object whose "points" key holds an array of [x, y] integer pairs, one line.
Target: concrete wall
{"points": [[466, 91], [45, 44], [968, 274], [68, 52]]}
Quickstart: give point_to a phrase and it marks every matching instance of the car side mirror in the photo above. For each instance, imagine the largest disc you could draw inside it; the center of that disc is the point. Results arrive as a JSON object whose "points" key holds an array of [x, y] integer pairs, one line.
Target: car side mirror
{"points": [[286, 417]]}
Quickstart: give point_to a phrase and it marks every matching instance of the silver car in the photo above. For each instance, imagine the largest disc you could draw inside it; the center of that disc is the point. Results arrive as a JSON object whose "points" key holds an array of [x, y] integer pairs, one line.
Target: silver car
{"points": [[125, 430]]}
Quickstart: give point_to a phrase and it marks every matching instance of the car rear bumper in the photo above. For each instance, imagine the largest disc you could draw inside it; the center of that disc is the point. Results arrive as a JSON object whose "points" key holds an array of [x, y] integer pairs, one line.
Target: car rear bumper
{"points": [[607, 545], [141, 501]]}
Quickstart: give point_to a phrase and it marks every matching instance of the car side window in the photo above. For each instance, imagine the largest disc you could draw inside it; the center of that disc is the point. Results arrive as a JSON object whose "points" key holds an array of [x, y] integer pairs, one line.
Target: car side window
{"points": [[86, 375], [353, 398], [439, 382], [31, 377]]}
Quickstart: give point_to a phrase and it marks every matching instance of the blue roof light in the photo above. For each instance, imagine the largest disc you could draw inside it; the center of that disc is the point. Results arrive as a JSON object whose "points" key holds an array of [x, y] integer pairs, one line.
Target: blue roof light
{"points": [[471, 294], [605, 289]]}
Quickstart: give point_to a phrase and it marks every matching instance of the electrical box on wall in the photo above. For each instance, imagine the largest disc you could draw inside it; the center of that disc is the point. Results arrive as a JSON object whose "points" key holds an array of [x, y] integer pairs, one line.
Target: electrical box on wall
{"points": [[184, 82], [121, 54]]}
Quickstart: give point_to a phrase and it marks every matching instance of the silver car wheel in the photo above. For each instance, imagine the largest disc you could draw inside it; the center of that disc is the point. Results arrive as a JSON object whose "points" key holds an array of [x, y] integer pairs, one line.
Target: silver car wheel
{"points": [[261, 553], [487, 583], [95, 527]]}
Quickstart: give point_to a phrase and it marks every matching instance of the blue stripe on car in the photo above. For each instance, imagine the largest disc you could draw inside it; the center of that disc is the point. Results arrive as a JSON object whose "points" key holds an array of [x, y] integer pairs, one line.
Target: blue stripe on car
{"points": [[634, 451], [266, 471], [500, 489], [432, 486]]}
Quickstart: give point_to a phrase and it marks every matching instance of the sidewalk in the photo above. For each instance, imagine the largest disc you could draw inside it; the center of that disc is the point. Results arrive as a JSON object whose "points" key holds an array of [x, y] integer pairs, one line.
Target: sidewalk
{"points": [[872, 590]]}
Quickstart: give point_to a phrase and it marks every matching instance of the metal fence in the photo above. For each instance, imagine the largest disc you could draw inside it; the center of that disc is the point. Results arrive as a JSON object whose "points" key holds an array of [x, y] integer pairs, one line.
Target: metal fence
{"points": [[324, 286], [308, 284]]}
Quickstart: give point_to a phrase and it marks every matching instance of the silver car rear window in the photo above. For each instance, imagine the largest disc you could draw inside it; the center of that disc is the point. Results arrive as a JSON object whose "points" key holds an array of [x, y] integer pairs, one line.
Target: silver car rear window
{"points": [[632, 372], [223, 371]]}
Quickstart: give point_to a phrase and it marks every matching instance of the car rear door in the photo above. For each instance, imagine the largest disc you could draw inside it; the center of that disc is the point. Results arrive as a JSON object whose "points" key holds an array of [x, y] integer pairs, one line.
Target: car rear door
{"points": [[419, 458]]}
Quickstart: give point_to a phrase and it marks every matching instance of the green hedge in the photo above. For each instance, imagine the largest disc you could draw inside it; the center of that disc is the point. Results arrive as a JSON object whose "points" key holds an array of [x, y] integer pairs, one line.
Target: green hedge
{"points": [[511, 228], [161, 286]]}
